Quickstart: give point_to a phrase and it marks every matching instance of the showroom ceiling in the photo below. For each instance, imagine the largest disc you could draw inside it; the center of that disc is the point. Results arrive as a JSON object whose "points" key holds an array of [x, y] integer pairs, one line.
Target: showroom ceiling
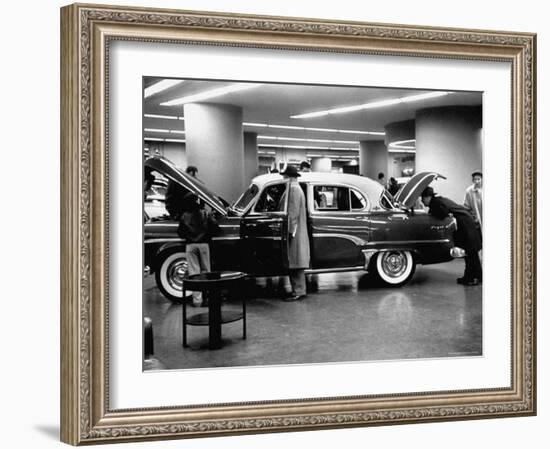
{"points": [[274, 104]]}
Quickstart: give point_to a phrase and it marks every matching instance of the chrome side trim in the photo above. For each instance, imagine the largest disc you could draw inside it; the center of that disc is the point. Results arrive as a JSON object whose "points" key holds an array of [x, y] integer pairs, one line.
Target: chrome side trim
{"points": [[404, 242], [266, 237], [158, 223], [333, 270], [352, 238], [160, 240], [232, 237]]}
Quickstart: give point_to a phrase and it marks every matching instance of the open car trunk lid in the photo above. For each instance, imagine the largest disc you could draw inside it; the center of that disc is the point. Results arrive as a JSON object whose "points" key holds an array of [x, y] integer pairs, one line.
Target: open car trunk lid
{"points": [[409, 193], [168, 169]]}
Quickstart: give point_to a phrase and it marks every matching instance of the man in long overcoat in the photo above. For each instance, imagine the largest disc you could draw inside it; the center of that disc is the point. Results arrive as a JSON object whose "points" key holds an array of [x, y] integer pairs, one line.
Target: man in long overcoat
{"points": [[298, 241], [467, 236]]}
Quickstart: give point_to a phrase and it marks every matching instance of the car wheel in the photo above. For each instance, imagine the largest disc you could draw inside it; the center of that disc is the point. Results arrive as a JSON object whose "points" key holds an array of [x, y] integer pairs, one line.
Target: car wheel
{"points": [[394, 268], [170, 272]]}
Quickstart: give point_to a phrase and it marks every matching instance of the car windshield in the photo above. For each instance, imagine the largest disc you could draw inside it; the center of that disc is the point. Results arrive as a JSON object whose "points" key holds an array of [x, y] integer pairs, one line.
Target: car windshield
{"points": [[245, 199]]}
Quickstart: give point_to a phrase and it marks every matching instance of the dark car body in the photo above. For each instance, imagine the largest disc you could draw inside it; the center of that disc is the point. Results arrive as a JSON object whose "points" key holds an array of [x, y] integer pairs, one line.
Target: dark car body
{"points": [[353, 224]]}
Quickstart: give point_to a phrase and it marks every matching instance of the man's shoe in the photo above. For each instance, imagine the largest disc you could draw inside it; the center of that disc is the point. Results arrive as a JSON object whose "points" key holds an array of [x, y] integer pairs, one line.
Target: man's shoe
{"points": [[461, 280], [293, 298]]}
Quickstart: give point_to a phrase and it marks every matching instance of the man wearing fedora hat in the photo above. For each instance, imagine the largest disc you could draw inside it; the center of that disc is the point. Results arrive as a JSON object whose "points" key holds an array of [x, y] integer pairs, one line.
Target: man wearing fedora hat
{"points": [[298, 241], [466, 236]]}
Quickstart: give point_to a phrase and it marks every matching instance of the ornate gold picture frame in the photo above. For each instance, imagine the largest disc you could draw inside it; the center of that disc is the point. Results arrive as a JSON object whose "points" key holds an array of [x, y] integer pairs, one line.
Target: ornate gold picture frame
{"points": [[87, 32]]}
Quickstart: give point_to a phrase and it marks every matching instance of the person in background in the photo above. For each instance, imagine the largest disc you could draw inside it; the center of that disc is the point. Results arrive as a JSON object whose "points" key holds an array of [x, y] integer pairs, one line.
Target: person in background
{"points": [[382, 179], [466, 235], [192, 171], [473, 199], [393, 186], [305, 167], [298, 241], [197, 228]]}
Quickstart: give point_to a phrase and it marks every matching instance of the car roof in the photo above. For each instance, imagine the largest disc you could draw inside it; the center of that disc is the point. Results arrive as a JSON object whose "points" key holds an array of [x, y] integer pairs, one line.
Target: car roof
{"points": [[372, 188]]}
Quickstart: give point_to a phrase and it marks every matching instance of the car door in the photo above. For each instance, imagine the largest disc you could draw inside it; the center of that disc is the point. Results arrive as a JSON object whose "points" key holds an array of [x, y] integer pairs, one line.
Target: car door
{"points": [[264, 232], [339, 224]]}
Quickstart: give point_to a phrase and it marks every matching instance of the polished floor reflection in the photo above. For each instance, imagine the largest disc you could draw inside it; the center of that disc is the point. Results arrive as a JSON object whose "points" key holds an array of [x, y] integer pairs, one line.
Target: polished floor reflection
{"points": [[345, 317]]}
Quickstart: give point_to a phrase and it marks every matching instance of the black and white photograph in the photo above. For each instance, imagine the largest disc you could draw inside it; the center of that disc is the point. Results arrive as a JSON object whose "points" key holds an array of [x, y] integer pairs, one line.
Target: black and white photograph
{"points": [[290, 224], [275, 223]]}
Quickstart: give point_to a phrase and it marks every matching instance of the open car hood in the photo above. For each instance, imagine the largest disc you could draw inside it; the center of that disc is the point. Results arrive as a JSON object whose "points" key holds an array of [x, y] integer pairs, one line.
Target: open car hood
{"points": [[189, 183], [409, 193]]}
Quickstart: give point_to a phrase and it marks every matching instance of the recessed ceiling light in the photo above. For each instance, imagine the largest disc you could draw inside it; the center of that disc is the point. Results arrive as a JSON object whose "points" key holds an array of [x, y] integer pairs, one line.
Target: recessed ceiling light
{"points": [[212, 93], [301, 139], [372, 133], [401, 151], [306, 147], [155, 139], [160, 86], [167, 117], [371, 105], [156, 130], [258, 125], [402, 142], [305, 128], [401, 147]]}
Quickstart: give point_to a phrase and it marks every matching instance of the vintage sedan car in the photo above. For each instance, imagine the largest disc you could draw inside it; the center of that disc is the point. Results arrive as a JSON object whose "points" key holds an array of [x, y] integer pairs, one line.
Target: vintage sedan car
{"points": [[353, 224]]}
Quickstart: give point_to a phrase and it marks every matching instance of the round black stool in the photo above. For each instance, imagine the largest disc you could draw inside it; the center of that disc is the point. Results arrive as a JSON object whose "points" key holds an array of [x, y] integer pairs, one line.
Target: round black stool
{"points": [[213, 283]]}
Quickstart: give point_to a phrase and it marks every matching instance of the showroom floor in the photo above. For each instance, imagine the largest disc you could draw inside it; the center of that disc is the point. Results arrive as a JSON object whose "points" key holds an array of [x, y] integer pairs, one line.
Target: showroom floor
{"points": [[345, 317]]}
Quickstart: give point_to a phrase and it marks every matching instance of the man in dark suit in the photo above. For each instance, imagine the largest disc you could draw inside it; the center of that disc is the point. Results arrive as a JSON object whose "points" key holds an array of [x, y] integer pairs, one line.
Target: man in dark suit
{"points": [[467, 236]]}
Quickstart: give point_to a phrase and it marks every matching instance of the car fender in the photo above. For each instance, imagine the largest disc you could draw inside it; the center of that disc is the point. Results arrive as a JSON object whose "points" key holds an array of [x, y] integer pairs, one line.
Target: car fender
{"points": [[167, 246]]}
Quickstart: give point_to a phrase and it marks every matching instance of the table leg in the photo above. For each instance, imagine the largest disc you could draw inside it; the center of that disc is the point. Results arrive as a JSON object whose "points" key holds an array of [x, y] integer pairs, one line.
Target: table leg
{"points": [[184, 321], [245, 298], [214, 319]]}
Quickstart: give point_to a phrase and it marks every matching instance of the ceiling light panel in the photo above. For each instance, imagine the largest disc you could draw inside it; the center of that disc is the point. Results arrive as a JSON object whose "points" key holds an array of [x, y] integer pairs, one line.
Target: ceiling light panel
{"points": [[166, 117], [371, 105], [209, 94], [160, 86], [306, 147], [301, 139], [156, 130], [306, 128]]}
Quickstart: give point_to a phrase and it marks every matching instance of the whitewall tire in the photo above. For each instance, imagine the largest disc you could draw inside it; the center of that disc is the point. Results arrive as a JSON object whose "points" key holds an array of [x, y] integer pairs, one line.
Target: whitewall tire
{"points": [[170, 272], [394, 267]]}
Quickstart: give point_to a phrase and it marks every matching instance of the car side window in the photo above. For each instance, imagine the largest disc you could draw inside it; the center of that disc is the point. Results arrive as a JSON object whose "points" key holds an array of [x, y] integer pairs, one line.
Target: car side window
{"points": [[272, 199], [358, 201], [386, 200], [331, 198]]}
